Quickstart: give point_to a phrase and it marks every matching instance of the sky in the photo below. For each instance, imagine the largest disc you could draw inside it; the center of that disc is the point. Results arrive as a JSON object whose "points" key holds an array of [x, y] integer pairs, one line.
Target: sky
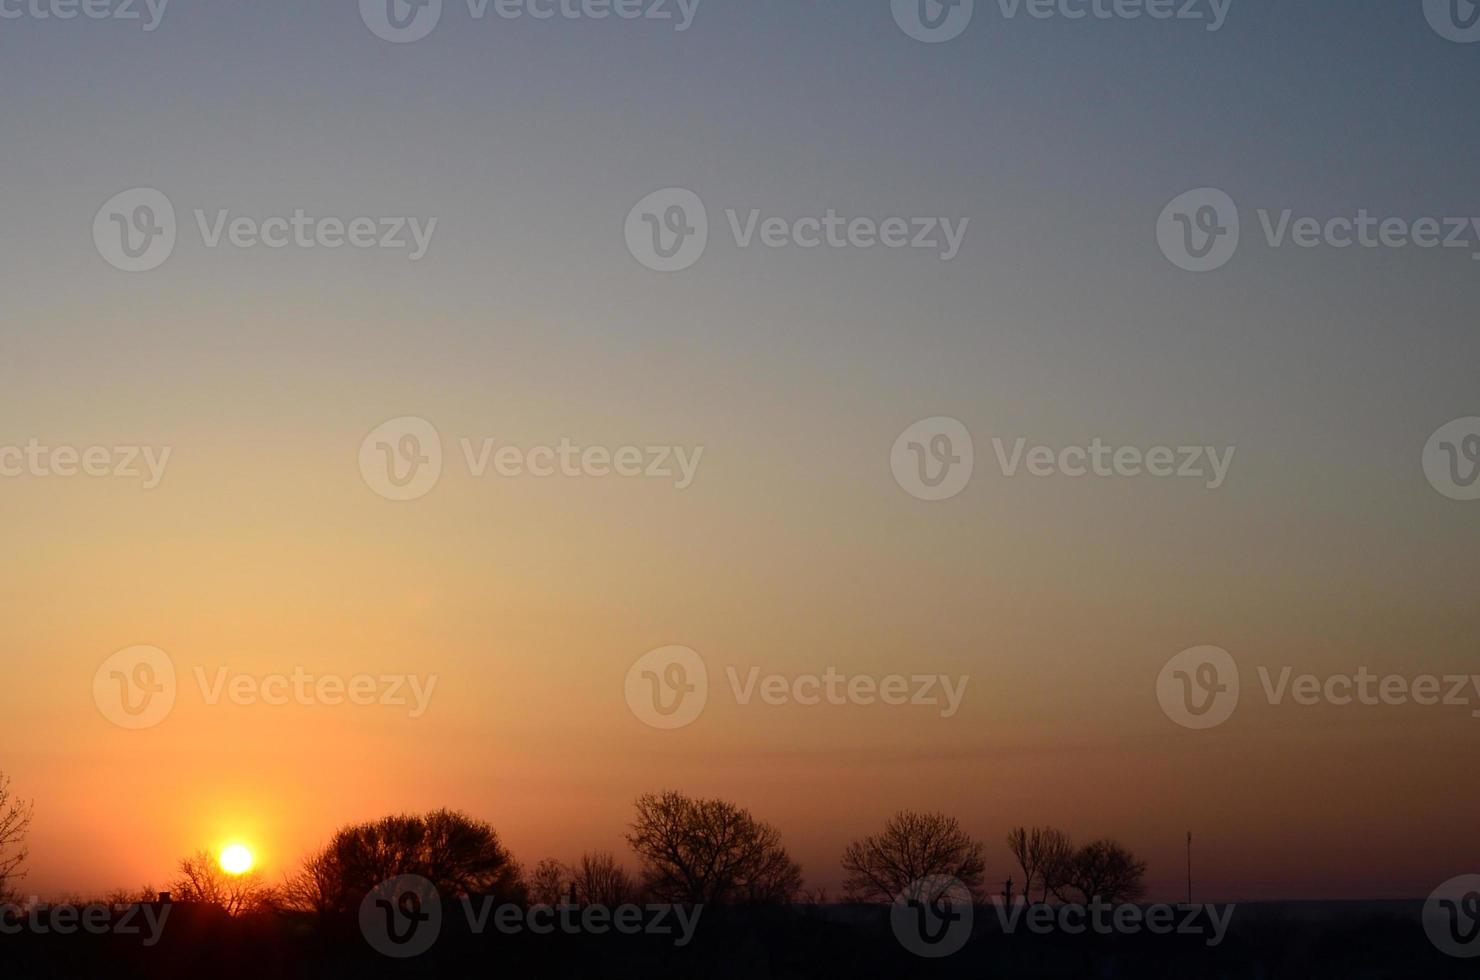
{"points": [[796, 547]]}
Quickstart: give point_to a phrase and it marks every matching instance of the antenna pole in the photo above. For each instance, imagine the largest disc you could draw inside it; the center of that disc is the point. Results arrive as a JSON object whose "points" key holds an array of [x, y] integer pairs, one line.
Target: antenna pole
{"points": [[1189, 867]]}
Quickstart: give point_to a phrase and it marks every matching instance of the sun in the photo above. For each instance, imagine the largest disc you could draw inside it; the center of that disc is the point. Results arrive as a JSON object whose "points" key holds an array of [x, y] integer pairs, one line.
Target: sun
{"points": [[237, 859]]}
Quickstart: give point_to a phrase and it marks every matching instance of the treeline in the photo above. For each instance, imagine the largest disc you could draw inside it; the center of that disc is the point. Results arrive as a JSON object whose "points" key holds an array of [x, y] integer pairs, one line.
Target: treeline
{"points": [[690, 851]]}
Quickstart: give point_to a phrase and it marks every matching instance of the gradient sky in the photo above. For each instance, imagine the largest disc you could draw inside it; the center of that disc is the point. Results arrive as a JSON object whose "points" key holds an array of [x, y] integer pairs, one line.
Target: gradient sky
{"points": [[528, 321]]}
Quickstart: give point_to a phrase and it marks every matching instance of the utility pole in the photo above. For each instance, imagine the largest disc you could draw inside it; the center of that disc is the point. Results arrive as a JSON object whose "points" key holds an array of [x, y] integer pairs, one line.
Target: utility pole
{"points": [[1189, 867]]}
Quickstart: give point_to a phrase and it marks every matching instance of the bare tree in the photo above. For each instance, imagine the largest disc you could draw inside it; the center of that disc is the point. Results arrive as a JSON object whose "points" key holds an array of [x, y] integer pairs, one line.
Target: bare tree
{"points": [[600, 880], [314, 887], [460, 856], [710, 852], [15, 824], [1042, 853], [1103, 870], [202, 879], [549, 883], [912, 848], [130, 896]]}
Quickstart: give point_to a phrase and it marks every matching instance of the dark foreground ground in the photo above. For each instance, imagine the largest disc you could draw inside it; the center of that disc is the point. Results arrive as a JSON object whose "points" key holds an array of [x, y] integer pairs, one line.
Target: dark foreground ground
{"points": [[1298, 941]]}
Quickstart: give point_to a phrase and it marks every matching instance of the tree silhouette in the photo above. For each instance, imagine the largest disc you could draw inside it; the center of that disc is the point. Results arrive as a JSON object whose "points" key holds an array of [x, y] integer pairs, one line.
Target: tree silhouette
{"points": [[600, 880], [459, 855], [710, 852], [202, 879], [1103, 870], [1042, 853], [15, 823], [913, 847], [549, 883]]}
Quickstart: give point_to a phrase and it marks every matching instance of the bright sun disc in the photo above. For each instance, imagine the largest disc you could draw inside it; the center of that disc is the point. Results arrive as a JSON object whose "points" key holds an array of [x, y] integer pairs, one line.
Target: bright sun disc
{"points": [[236, 860]]}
